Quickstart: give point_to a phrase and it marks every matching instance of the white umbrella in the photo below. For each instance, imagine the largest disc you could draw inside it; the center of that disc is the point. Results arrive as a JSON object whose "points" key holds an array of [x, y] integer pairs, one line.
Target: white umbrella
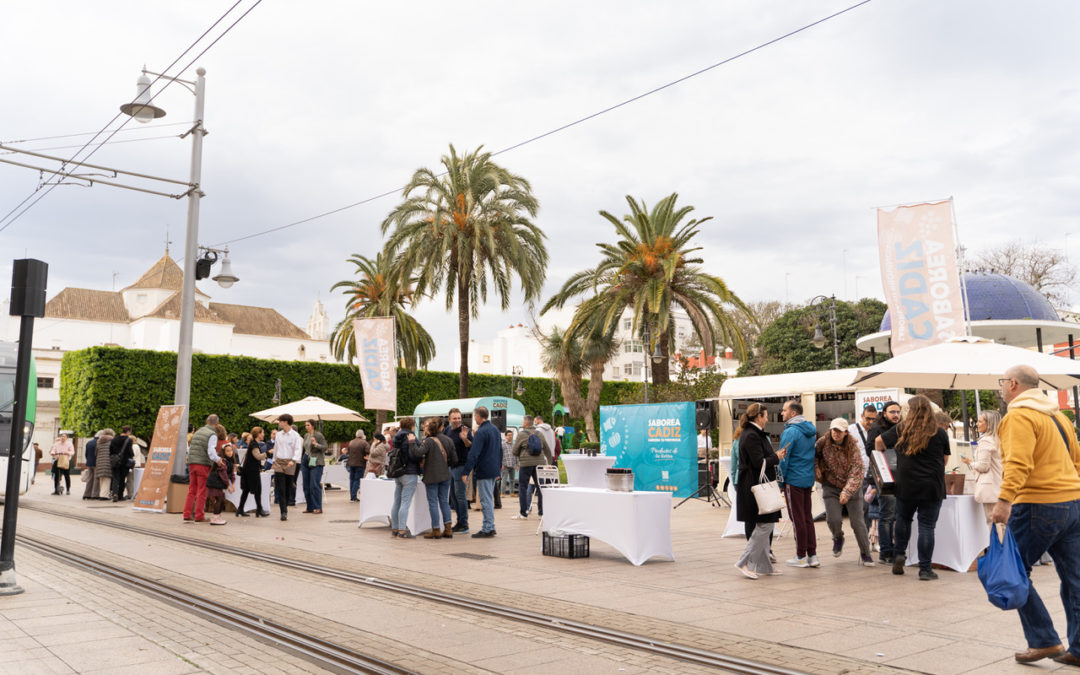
{"points": [[311, 407], [966, 363]]}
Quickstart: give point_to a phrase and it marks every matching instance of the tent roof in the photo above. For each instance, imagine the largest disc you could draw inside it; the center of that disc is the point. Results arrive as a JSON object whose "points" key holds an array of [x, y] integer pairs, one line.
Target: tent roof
{"points": [[786, 384]]}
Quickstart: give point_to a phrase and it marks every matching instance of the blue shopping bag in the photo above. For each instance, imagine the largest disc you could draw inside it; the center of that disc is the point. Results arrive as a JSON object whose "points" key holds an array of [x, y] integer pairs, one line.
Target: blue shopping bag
{"points": [[1002, 572]]}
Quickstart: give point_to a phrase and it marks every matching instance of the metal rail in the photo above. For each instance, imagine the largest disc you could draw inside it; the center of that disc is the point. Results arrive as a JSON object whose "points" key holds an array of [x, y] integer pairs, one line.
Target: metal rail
{"points": [[589, 631], [315, 649]]}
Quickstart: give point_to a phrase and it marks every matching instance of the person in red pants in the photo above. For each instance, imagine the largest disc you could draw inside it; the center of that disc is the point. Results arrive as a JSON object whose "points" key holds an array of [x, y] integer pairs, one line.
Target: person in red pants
{"points": [[202, 454]]}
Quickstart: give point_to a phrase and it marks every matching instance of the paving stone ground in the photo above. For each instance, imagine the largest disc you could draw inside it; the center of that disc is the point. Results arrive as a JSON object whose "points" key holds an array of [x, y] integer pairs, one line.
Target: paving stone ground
{"points": [[839, 618]]}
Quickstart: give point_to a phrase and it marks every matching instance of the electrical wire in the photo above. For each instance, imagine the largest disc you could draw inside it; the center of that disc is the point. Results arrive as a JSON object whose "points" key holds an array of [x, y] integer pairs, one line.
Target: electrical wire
{"points": [[68, 147], [563, 127], [92, 133], [12, 219]]}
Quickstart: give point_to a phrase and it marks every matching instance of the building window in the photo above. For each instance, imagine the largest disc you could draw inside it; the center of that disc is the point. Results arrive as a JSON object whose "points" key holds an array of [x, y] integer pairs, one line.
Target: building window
{"points": [[45, 383], [141, 297], [301, 351], [487, 358], [627, 324], [632, 347]]}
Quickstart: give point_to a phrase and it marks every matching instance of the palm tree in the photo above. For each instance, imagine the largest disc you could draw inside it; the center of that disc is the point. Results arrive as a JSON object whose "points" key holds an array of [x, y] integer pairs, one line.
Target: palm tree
{"points": [[378, 291], [649, 269], [569, 356], [456, 230]]}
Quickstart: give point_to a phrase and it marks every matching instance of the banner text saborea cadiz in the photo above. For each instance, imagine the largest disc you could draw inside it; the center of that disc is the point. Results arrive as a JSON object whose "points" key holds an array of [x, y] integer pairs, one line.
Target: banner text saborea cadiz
{"points": [[375, 354], [919, 275]]}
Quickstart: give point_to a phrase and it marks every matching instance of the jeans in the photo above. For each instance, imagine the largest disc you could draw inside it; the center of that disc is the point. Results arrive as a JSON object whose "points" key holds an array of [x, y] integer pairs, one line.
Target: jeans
{"points": [[799, 509], [461, 504], [886, 517], [283, 486], [485, 488], [313, 487], [526, 480], [404, 488], [928, 515], [195, 503], [508, 480], [1053, 528], [438, 499], [356, 474], [835, 518]]}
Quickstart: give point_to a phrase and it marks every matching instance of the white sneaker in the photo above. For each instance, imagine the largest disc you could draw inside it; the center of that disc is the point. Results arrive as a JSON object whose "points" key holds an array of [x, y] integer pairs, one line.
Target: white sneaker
{"points": [[798, 562], [518, 516], [812, 561]]}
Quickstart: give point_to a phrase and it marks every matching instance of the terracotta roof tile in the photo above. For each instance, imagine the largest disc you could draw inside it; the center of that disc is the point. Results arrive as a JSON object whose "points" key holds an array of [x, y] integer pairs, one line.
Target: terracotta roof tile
{"points": [[170, 309], [248, 320], [87, 305], [165, 274]]}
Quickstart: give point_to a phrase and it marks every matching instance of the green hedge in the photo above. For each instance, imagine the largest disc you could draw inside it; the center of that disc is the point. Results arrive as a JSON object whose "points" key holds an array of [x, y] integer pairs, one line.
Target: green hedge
{"points": [[112, 386]]}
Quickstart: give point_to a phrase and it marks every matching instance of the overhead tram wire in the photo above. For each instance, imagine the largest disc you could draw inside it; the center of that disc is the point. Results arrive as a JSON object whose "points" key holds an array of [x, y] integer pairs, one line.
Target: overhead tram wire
{"points": [[561, 128], [8, 219], [91, 133], [68, 147]]}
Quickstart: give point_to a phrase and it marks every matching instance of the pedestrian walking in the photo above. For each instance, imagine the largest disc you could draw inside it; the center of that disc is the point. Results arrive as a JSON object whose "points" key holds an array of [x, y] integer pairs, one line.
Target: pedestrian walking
{"points": [[287, 450], [797, 470], [755, 452], [531, 450], [838, 467], [62, 451], [1040, 501], [251, 473]]}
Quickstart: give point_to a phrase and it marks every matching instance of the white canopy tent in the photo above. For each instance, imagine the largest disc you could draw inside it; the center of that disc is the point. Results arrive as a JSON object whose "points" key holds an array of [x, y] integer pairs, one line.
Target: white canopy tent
{"points": [[966, 363], [311, 407]]}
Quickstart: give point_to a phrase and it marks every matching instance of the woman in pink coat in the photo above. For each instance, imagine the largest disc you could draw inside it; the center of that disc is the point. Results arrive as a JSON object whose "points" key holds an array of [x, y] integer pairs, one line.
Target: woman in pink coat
{"points": [[62, 453]]}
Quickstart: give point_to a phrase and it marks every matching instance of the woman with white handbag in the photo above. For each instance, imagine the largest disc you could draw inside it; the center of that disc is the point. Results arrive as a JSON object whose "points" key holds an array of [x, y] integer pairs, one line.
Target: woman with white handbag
{"points": [[758, 499]]}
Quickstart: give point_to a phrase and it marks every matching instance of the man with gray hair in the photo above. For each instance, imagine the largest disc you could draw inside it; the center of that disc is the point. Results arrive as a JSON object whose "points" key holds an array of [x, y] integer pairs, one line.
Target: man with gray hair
{"points": [[485, 456], [202, 454], [532, 450], [1040, 501], [359, 449]]}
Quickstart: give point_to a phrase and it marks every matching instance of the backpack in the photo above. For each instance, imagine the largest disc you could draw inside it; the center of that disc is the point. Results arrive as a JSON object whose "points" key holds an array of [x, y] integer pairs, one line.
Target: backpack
{"points": [[398, 462], [535, 444]]}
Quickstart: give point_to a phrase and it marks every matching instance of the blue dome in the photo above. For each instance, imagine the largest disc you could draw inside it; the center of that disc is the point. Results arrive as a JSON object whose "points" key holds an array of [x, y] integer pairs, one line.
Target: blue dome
{"points": [[996, 296]]}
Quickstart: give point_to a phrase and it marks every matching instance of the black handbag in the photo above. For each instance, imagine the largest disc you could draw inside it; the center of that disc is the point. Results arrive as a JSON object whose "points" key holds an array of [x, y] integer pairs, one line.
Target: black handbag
{"points": [[883, 470]]}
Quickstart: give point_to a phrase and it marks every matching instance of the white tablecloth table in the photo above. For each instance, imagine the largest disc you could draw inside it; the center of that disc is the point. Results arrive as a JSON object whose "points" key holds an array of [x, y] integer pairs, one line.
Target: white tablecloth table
{"points": [[961, 534], [377, 498], [136, 479], [587, 472], [636, 524], [336, 474]]}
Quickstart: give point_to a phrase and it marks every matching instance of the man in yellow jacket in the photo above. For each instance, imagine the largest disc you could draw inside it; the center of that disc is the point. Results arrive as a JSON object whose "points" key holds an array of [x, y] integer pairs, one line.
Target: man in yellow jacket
{"points": [[1040, 500]]}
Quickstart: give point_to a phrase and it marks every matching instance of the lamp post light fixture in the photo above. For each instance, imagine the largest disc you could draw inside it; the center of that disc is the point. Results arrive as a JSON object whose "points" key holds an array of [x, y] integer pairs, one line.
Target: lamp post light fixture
{"points": [[516, 389], [143, 111], [824, 303]]}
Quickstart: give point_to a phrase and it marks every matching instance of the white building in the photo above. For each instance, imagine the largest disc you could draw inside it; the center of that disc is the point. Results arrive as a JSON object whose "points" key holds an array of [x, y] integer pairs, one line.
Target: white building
{"points": [[145, 315], [629, 363], [513, 347]]}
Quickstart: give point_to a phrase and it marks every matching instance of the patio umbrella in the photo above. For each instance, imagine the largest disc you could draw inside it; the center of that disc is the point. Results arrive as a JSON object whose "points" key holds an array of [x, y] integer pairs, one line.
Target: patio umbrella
{"points": [[311, 407], [966, 363]]}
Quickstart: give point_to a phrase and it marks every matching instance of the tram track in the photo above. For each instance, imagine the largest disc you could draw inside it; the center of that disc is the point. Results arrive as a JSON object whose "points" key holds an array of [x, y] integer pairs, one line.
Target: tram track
{"points": [[325, 654], [624, 639]]}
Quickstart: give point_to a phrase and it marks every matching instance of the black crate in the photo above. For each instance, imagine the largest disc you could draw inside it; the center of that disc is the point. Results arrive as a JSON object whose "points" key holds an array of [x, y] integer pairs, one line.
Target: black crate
{"points": [[566, 545]]}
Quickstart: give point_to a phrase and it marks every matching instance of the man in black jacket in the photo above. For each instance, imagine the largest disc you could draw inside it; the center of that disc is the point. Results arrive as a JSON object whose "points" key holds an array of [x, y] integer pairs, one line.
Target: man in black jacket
{"points": [[889, 417], [121, 457]]}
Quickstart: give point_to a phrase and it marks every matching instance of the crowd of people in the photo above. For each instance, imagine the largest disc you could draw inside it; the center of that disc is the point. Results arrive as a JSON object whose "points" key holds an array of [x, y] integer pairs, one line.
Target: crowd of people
{"points": [[1026, 469]]}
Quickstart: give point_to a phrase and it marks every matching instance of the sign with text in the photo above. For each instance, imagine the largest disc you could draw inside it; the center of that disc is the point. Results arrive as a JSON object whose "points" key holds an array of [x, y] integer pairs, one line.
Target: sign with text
{"points": [[876, 397], [919, 275], [375, 354], [158, 470], [658, 441]]}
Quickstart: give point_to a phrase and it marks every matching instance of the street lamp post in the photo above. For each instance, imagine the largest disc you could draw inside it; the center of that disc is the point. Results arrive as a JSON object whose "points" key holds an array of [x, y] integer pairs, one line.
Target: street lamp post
{"points": [[819, 337], [516, 389], [143, 111]]}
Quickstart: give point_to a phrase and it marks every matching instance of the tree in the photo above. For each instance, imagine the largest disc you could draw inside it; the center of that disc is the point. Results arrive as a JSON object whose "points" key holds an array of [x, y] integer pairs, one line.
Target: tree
{"points": [[765, 311], [649, 269], [785, 345], [456, 230], [378, 291], [568, 356], [1046, 269]]}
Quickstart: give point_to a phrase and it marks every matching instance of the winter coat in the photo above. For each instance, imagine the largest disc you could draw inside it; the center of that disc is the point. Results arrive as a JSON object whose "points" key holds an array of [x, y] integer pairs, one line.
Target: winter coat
{"points": [[754, 450], [103, 465], [485, 455], [797, 467], [438, 453], [315, 445], [252, 467], [377, 459], [521, 449]]}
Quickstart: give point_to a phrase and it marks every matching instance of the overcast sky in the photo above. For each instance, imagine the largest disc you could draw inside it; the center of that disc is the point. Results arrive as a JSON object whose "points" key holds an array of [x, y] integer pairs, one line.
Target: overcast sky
{"points": [[315, 106]]}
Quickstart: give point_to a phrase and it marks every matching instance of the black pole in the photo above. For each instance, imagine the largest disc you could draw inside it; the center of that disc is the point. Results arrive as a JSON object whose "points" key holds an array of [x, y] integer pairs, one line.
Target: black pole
{"points": [[964, 412], [28, 278]]}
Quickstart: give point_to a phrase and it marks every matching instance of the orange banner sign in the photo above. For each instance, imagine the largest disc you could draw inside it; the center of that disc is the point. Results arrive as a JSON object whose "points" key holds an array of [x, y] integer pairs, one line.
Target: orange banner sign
{"points": [[920, 275], [158, 470]]}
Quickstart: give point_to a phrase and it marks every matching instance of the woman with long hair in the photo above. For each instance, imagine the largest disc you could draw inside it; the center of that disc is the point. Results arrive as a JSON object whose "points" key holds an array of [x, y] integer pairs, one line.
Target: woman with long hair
{"points": [[439, 454], [755, 452], [921, 446], [251, 473], [986, 464]]}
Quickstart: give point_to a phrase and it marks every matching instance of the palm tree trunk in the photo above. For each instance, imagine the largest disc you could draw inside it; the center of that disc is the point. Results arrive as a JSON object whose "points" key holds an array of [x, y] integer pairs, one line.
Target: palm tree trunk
{"points": [[661, 373], [463, 335], [592, 402], [590, 428], [380, 420]]}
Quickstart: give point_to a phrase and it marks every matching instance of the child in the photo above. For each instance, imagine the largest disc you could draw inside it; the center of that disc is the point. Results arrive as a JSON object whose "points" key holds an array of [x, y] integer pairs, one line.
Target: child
{"points": [[221, 479]]}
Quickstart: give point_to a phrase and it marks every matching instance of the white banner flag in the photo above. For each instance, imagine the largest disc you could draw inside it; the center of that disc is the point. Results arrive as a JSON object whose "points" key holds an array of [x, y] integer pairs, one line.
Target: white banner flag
{"points": [[920, 275], [375, 354]]}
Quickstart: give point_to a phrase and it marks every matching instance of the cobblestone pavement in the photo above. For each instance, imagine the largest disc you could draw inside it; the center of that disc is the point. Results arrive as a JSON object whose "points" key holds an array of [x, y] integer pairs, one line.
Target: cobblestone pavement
{"points": [[839, 618]]}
